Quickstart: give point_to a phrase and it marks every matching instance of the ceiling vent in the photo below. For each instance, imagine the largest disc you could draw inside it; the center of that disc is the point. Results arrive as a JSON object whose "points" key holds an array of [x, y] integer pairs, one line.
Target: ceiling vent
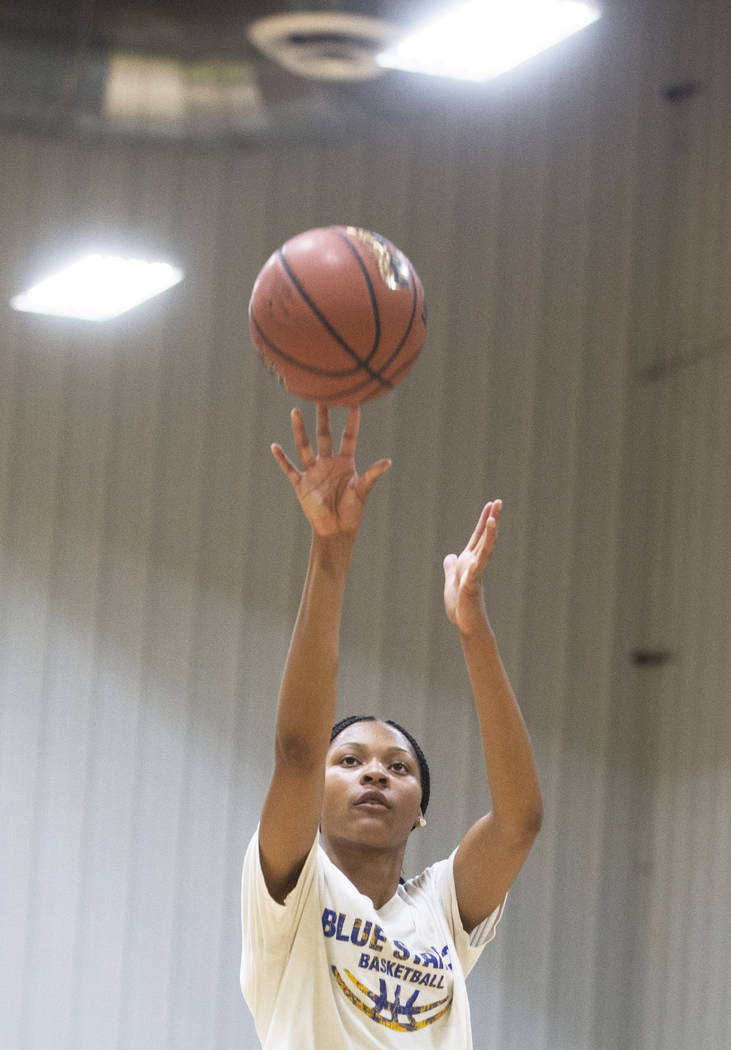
{"points": [[323, 45]]}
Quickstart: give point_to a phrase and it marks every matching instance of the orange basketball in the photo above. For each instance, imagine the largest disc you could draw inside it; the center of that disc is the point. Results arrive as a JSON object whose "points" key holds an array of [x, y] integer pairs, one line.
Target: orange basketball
{"points": [[337, 314]]}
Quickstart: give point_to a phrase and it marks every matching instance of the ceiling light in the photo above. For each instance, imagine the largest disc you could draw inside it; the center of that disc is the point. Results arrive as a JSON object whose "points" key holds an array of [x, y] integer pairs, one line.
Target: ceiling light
{"points": [[483, 38], [323, 45], [98, 287]]}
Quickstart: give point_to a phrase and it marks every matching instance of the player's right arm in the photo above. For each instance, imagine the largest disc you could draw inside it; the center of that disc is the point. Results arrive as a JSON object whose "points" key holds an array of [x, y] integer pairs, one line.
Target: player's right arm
{"points": [[332, 497]]}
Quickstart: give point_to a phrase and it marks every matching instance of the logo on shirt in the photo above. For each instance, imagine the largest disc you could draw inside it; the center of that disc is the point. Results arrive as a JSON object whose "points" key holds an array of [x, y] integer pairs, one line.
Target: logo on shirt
{"points": [[389, 1012], [403, 975]]}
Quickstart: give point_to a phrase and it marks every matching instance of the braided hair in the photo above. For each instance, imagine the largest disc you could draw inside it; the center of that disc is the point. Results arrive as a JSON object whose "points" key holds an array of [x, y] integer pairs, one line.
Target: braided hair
{"points": [[420, 757]]}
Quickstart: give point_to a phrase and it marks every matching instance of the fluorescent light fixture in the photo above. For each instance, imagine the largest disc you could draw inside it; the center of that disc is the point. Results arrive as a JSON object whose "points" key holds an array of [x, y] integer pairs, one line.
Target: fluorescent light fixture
{"points": [[483, 38], [98, 287]]}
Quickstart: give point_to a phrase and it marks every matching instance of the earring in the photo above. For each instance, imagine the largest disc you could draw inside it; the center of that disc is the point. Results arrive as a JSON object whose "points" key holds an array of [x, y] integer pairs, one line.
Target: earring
{"points": [[422, 820]]}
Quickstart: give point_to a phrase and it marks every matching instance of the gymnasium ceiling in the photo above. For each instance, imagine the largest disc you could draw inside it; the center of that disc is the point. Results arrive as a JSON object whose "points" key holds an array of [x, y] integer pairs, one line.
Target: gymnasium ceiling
{"points": [[185, 70]]}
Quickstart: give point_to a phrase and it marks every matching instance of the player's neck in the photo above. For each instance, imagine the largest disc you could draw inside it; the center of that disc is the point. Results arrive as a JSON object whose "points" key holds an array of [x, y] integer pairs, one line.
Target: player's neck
{"points": [[374, 873]]}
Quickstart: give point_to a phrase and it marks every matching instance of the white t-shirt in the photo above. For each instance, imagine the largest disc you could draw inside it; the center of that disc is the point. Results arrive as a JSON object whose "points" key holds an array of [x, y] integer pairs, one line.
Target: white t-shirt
{"points": [[328, 971]]}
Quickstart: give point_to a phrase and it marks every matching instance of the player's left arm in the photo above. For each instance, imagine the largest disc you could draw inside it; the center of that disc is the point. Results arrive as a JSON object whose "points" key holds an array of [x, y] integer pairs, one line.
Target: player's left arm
{"points": [[493, 851]]}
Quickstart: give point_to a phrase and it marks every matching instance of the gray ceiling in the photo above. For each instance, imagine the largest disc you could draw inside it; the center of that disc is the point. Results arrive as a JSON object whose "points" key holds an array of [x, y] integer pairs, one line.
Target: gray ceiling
{"points": [[60, 61], [180, 27]]}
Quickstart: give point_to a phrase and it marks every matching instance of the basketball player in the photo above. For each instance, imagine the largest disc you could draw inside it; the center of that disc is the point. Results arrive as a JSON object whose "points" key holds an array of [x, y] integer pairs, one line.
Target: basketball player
{"points": [[338, 953]]}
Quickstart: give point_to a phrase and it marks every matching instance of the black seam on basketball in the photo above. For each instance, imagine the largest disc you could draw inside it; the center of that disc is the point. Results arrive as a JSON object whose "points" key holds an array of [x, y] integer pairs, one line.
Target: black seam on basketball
{"points": [[312, 369], [368, 381], [403, 366], [371, 291], [365, 382], [326, 324], [397, 351], [338, 395]]}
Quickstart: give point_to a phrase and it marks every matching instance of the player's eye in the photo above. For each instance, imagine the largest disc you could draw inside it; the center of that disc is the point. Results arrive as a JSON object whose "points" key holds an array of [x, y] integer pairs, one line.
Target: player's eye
{"points": [[400, 767], [348, 760]]}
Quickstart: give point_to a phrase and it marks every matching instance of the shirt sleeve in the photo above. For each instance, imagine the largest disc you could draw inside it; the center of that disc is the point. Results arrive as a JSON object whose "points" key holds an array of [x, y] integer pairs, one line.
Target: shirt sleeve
{"points": [[268, 928], [438, 882]]}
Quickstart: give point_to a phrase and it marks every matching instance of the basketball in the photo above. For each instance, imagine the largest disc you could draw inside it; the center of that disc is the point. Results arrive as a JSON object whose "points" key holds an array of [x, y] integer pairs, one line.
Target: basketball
{"points": [[338, 315]]}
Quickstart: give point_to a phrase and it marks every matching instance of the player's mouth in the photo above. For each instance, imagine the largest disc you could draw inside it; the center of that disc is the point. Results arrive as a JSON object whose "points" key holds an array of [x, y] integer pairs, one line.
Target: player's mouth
{"points": [[372, 800]]}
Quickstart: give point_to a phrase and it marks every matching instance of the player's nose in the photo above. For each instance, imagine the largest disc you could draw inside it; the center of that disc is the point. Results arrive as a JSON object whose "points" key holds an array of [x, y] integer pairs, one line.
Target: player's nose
{"points": [[374, 771]]}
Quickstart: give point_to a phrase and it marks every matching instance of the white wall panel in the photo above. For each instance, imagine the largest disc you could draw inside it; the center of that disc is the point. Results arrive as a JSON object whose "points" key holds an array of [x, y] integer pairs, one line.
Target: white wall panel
{"points": [[100, 962], [151, 554], [688, 729], [683, 295], [32, 493], [681, 410]]}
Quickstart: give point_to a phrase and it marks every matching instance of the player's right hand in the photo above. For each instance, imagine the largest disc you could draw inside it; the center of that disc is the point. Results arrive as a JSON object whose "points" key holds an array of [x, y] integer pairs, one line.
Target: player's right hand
{"points": [[330, 491]]}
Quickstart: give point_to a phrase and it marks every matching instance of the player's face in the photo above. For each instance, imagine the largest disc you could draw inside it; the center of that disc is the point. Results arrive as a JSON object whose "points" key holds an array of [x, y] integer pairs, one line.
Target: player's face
{"points": [[372, 786]]}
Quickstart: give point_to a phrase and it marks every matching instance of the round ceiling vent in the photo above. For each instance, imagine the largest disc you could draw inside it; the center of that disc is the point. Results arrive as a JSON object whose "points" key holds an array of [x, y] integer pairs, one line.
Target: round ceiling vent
{"points": [[323, 45]]}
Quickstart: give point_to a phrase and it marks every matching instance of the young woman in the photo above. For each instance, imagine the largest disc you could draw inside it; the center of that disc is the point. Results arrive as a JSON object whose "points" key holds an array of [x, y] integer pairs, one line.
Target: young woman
{"points": [[338, 954]]}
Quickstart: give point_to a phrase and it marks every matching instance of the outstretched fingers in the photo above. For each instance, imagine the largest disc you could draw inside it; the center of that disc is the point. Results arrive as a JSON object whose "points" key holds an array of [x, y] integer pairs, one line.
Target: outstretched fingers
{"points": [[324, 435], [479, 530], [287, 466], [370, 476], [323, 469], [349, 439], [301, 441], [489, 520]]}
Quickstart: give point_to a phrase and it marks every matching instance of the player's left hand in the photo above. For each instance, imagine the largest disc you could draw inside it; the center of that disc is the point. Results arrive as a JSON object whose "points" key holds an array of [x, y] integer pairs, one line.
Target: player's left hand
{"points": [[464, 600]]}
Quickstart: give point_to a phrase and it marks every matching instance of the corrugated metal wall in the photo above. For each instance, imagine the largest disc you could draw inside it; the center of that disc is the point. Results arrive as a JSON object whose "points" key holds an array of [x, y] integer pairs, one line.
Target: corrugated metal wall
{"points": [[680, 421], [151, 555], [686, 859]]}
